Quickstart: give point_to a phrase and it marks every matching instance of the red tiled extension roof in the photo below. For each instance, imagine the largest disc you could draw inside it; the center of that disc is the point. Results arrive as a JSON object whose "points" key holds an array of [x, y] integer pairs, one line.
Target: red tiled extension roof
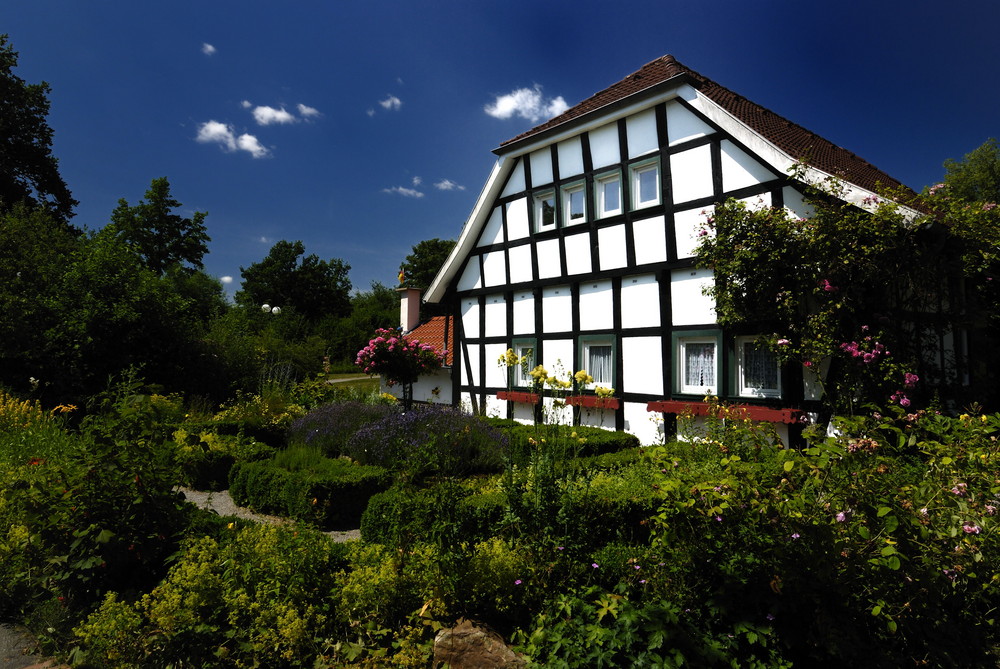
{"points": [[793, 139], [433, 332]]}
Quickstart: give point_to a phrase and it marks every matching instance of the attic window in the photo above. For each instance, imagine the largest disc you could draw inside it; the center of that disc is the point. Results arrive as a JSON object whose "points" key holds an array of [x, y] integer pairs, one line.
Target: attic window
{"points": [[545, 211], [645, 184], [574, 204]]}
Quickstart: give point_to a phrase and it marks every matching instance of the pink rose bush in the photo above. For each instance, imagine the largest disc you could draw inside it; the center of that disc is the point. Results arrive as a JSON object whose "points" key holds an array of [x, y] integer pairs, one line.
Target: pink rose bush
{"points": [[399, 359]]}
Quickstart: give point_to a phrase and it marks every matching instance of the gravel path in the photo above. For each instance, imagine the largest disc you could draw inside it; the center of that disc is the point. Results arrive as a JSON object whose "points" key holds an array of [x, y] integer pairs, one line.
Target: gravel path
{"points": [[223, 504]]}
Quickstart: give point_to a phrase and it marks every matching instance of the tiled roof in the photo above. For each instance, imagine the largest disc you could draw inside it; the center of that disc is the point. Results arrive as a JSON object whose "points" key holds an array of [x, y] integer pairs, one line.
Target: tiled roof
{"points": [[433, 332], [799, 143]]}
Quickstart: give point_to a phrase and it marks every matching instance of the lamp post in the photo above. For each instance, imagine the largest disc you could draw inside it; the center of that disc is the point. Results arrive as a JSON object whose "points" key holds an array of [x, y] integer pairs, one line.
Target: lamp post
{"points": [[268, 309]]}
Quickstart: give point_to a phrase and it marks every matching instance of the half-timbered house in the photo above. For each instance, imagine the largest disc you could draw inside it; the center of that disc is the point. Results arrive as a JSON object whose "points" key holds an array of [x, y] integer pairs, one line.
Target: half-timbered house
{"points": [[579, 251]]}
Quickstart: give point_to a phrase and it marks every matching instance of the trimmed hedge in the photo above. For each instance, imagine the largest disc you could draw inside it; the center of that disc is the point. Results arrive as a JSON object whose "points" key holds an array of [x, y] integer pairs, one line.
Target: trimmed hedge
{"points": [[595, 440], [333, 497], [404, 515]]}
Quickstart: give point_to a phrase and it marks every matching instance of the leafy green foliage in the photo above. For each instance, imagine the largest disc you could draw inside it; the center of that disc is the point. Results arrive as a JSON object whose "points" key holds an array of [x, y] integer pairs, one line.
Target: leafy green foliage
{"points": [[29, 173], [161, 238], [288, 278], [975, 178]]}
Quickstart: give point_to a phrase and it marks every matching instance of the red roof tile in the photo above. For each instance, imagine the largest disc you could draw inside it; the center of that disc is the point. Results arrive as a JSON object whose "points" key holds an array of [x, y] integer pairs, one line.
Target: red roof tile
{"points": [[799, 143], [433, 332]]}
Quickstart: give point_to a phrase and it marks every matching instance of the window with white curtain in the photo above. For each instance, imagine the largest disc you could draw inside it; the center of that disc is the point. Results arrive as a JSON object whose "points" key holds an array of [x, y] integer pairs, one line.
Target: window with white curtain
{"points": [[523, 348], [757, 370], [598, 359], [698, 363]]}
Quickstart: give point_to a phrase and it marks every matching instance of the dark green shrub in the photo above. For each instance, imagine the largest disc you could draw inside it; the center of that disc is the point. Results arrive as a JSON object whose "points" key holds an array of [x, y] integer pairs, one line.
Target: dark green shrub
{"points": [[404, 515], [205, 457], [329, 427], [574, 441], [333, 495]]}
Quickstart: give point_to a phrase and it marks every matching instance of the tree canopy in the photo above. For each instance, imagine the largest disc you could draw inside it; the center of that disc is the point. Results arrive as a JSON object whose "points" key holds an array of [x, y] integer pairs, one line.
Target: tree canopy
{"points": [[289, 278], [422, 264], [29, 172], [162, 238], [975, 178]]}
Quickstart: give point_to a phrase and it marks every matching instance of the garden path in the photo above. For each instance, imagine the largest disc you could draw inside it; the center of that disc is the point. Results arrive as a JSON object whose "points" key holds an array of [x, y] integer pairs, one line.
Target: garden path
{"points": [[222, 503]]}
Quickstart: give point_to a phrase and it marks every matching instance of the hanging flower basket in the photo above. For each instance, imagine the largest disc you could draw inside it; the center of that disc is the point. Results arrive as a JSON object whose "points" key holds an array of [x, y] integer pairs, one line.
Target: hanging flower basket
{"points": [[593, 402], [519, 397]]}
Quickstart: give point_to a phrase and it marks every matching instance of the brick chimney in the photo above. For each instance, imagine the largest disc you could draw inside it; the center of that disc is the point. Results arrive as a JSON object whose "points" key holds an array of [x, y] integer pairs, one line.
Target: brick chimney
{"points": [[409, 308]]}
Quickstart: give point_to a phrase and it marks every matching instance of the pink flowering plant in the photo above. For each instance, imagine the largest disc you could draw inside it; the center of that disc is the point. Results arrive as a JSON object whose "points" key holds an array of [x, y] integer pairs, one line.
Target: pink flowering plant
{"points": [[857, 293], [397, 358]]}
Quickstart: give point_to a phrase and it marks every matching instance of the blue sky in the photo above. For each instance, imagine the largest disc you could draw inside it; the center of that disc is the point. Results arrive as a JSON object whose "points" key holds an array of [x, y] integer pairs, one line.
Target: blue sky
{"points": [[362, 128]]}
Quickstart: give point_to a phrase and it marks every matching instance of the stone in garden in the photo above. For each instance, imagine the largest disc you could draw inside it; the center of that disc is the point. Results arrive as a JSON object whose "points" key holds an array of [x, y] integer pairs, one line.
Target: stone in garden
{"points": [[468, 646]]}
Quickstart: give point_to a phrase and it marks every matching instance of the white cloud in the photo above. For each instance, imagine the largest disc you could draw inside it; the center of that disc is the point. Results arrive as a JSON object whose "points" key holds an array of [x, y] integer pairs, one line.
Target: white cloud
{"points": [[448, 184], [226, 279], [417, 181], [264, 240], [402, 190], [305, 111], [528, 103], [269, 115], [246, 104], [207, 49], [250, 144], [370, 112], [392, 103], [213, 132]]}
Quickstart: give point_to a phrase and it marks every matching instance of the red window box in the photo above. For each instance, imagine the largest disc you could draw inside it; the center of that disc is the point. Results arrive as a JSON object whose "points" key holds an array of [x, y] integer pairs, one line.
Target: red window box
{"points": [[593, 402], [753, 412], [519, 397]]}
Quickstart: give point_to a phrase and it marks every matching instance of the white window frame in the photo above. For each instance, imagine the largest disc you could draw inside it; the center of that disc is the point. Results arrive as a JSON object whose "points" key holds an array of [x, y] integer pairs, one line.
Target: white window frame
{"points": [[745, 390], [568, 192], [683, 386], [599, 194], [540, 199], [586, 342], [636, 172], [520, 374]]}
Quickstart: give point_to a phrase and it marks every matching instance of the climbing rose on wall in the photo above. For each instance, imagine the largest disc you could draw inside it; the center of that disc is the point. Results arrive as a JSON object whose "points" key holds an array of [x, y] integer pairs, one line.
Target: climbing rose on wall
{"points": [[398, 359]]}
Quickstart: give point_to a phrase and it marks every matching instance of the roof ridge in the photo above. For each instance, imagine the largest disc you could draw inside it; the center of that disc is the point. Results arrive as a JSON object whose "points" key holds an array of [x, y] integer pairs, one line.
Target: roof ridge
{"points": [[796, 140]]}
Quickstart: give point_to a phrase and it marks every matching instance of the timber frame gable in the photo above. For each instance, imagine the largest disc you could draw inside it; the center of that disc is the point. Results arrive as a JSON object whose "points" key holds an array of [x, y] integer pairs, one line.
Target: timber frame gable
{"points": [[580, 252]]}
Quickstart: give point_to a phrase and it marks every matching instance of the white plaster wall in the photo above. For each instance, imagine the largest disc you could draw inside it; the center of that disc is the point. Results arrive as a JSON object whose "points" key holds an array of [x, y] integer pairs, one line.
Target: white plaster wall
{"points": [[493, 230], [739, 170], [558, 357], [578, 253], [687, 223], [524, 413], [691, 174], [597, 418], [604, 148], [470, 317], [596, 306], [470, 279], [640, 306], [643, 424], [642, 360], [556, 415], [641, 131], [496, 376], [524, 313], [520, 263], [548, 258], [557, 310], [423, 389], [650, 238], [570, 154], [517, 219], [689, 306], [541, 167], [795, 204], [515, 183], [757, 202], [611, 247], [465, 402], [495, 407], [494, 269], [496, 316], [474, 353], [682, 125]]}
